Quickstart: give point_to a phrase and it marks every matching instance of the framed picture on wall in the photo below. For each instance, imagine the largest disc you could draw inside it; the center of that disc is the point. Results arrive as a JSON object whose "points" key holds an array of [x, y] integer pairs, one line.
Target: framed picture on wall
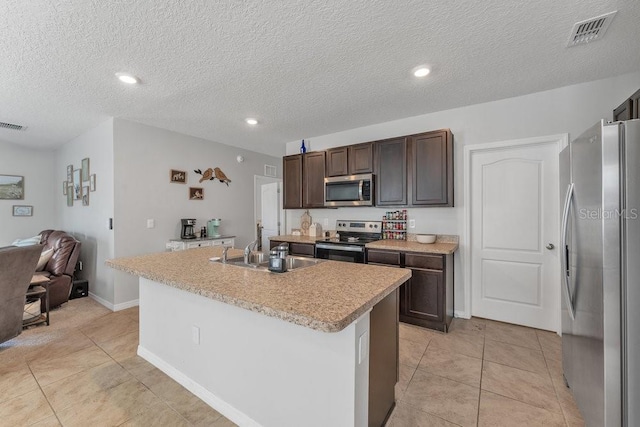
{"points": [[196, 193], [22, 210], [70, 195], [85, 169], [85, 195], [64, 187], [177, 176], [70, 173], [11, 187], [77, 184], [92, 182]]}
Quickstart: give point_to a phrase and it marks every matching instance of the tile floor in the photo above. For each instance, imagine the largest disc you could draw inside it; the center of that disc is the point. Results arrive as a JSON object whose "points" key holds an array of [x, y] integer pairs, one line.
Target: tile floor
{"points": [[83, 370], [482, 373]]}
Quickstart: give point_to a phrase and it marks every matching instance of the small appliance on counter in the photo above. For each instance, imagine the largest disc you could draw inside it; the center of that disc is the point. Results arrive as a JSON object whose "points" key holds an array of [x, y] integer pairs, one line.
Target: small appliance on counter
{"points": [[278, 258], [187, 228], [212, 227]]}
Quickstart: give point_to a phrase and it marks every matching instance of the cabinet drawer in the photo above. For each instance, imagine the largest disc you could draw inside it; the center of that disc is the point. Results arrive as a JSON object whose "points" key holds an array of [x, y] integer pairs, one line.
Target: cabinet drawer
{"points": [[198, 244], [224, 242], [302, 249], [429, 262], [383, 257]]}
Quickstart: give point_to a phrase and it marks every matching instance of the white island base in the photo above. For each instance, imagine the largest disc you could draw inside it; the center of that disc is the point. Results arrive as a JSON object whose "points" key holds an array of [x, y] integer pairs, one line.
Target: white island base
{"points": [[254, 369]]}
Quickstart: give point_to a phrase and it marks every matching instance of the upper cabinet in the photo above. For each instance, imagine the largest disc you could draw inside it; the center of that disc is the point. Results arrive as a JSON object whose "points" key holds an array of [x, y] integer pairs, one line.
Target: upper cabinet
{"points": [[313, 179], [292, 181], [629, 109], [350, 160], [431, 165], [416, 170], [391, 172]]}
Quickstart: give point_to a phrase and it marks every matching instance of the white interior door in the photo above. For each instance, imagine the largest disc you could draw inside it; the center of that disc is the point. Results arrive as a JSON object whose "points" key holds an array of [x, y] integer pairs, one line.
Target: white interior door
{"points": [[270, 212], [514, 231]]}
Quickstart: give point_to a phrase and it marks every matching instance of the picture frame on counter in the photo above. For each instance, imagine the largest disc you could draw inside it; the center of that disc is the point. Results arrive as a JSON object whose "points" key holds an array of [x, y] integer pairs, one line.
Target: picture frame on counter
{"points": [[22, 210], [177, 176]]}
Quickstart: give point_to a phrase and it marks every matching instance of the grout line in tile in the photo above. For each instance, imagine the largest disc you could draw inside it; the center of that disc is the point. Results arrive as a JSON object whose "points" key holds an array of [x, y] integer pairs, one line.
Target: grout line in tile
{"points": [[55, 414], [480, 385], [429, 413], [517, 345]]}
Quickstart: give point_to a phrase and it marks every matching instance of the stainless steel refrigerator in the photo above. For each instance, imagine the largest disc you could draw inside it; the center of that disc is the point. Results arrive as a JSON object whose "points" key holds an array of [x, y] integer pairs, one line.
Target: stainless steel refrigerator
{"points": [[600, 182]]}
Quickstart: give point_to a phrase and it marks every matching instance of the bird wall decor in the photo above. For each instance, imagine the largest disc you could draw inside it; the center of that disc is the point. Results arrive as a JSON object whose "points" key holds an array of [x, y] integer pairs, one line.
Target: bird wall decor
{"points": [[212, 174]]}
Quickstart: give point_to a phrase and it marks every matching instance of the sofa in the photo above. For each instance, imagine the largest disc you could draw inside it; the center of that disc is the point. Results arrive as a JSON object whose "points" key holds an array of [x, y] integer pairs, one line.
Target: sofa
{"points": [[17, 266], [62, 264]]}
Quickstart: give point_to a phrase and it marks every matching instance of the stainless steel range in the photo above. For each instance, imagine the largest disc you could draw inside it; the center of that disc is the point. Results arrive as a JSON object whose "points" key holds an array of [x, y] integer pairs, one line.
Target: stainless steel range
{"points": [[349, 247]]}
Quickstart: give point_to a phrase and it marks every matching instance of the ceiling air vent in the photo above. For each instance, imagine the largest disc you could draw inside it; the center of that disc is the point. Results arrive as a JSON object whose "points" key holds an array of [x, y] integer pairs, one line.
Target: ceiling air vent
{"points": [[590, 30], [11, 126]]}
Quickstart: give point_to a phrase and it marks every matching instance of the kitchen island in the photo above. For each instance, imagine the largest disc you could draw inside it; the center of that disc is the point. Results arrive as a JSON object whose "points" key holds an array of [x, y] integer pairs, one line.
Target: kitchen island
{"points": [[271, 349]]}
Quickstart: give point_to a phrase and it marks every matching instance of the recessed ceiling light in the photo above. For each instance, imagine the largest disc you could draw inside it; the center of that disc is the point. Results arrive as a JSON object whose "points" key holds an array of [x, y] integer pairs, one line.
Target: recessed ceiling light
{"points": [[421, 72], [251, 121], [127, 78]]}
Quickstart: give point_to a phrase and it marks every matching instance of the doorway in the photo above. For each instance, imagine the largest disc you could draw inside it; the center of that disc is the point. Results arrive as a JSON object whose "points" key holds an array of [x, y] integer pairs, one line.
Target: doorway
{"points": [[269, 216], [512, 273]]}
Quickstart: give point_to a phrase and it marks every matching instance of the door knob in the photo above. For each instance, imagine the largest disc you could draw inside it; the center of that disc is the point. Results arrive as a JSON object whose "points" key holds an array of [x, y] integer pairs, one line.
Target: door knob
{"points": [[550, 246]]}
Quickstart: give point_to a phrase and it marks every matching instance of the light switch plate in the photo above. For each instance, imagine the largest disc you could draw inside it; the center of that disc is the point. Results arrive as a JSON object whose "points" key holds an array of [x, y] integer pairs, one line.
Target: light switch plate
{"points": [[326, 223], [412, 223], [195, 334], [151, 223]]}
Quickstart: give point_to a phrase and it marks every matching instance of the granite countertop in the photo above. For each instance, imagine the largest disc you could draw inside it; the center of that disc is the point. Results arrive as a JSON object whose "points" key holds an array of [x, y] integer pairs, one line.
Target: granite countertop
{"points": [[201, 239], [443, 245], [326, 297], [297, 239]]}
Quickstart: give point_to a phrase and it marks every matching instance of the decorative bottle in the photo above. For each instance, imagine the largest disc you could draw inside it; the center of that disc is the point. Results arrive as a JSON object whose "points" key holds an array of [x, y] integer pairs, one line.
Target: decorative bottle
{"points": [[303, 149]]}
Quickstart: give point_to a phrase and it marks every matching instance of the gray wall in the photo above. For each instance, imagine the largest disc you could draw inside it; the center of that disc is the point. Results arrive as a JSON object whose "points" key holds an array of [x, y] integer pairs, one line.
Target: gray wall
{"points": [[143, 157], [37, 167]]}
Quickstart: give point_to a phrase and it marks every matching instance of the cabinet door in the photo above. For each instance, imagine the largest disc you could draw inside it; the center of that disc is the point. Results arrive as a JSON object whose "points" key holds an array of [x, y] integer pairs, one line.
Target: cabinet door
{"points": [[391, 172], [313, 180], [292, 179], [361, 158], [425, 295], [431, 164], [302, 249], [337, 164], [624, 111], [274, 243]]}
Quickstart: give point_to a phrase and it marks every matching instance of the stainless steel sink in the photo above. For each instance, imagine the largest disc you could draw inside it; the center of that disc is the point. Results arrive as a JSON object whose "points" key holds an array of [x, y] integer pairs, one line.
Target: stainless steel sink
{"points": [[260, 262]]}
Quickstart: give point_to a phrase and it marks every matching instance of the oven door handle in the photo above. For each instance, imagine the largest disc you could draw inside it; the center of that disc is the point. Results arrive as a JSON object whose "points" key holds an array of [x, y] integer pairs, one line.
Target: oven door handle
{"points": [[339, 247]]}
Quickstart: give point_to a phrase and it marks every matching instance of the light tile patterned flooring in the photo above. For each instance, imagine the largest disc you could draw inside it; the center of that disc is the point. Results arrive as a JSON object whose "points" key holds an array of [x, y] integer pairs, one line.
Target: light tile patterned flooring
{"points": [[482, 373], [83, 370]]}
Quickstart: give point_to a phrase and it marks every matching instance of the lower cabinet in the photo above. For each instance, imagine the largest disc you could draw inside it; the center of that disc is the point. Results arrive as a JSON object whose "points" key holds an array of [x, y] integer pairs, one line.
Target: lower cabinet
{"points": [[427, 298], [181, 245], [296, 249]]}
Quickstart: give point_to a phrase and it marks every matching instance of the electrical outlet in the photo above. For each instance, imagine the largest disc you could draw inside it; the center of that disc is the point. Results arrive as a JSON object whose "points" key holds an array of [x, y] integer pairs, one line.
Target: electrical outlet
{"points": [[326, 223], [412, 223], [195, 334], [151, 223]]}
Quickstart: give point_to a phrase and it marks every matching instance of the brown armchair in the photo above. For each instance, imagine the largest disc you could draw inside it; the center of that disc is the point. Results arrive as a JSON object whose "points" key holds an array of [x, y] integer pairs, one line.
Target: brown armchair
{"points": [[17, 266], [61, 266]]}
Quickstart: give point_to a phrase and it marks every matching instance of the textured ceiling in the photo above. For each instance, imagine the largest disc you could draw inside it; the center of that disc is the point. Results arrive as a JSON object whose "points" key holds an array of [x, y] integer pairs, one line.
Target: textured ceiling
{"points": [[303, 68]]}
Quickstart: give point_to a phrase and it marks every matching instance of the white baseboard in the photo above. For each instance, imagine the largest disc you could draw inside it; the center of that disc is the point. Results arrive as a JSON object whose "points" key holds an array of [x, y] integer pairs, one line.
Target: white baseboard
{"points": [[101, 301], [127, 304], [461, 314], [209, 398], [114, 307]]}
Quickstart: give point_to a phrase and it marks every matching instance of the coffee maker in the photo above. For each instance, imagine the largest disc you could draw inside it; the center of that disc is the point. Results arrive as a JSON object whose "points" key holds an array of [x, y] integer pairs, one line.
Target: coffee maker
{"points": [[187, 229]]}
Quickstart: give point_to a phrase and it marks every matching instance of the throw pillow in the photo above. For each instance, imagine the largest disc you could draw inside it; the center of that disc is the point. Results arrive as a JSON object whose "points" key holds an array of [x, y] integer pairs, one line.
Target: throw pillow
{"points": [[45, 256], [35, 240]]}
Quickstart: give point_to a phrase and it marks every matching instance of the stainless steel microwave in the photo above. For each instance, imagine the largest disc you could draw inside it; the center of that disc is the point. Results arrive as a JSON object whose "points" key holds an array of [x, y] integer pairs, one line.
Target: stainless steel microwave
{"points": [[351, 190]]}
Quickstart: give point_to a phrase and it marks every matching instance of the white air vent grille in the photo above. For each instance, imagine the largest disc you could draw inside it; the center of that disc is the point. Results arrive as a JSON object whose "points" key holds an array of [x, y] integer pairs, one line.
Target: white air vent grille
{"points": [[270, 170], [12, 126], [590, 30]]}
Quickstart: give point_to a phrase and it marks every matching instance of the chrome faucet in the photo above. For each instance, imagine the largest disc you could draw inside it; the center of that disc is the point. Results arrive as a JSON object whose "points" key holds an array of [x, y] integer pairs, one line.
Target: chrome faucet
{"points": [[247, 251], [224, 254]]}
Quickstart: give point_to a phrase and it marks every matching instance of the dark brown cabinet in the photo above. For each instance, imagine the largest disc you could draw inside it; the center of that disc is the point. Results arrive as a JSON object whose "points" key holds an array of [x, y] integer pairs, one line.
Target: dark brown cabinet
{"points": [[427, 298], [313, 179], [431, 165], [292, 181], [629, 109], [303, 180], [391, 172], [350, 160], [295, 248], [416, 170]]}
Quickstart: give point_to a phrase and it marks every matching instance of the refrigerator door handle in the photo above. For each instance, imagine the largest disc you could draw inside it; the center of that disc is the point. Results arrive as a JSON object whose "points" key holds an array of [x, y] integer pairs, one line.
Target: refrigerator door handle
{"points": [[565, 256]]}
